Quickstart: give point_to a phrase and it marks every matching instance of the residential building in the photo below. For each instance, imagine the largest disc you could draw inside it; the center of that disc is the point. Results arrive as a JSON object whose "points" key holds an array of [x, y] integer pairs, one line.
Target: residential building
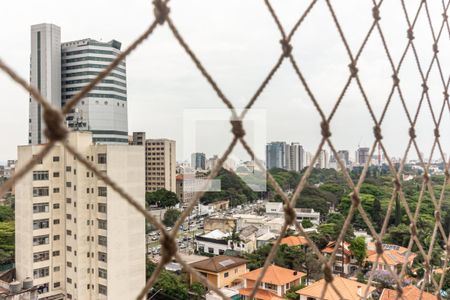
{"points": [[224, 224], [307, 214], [322, 160], [344, 156], [104, 110], [275, 282], [160, 165], [349, 289], [345, 263], [217, 242], [198, 161], [265, 239], [276, 155], [45, 76], [222, 271], [75, 236], [362, 155], [393, 256], [60, 70], [294, 241], [138, 138], [274, 209], [296, 157], [410, 292], [247, 239], [212, 162]]}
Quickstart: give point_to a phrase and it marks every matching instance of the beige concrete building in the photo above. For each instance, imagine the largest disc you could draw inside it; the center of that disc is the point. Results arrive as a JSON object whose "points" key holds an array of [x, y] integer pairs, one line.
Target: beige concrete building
{"points": [[76, 237], [160, 165]]}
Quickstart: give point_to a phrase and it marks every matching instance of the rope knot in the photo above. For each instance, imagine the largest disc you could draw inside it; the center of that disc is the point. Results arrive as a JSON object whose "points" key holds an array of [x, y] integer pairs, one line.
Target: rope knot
{"points": [[448, 247], [327, 274], [399, 291], [379, 247], [395, 79], [437, 215], [168, 248], [413, 229], [426, 177], [325, 129], [289, 214], [410, 34], [355, 199], [376, 13], [161, 11], [377, 132], [425, 87], [238, 129], [447, 175], [54, 120], [353, 69], [445, 95], [286, 47], [397, 184], [445, 16], [435, 48], [436, 133], [412, 133]]}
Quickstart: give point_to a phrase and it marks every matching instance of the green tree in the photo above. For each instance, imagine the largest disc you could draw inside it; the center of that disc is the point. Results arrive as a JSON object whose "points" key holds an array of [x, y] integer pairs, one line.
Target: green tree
{"points": [[359, 249], [398, 235], [313, 267], [197, 290], [6, 242], [161, 198], [377, 214], [168, 284], [398, 210], [291, 293], [6, 213], [306, 223], [171, 216]]}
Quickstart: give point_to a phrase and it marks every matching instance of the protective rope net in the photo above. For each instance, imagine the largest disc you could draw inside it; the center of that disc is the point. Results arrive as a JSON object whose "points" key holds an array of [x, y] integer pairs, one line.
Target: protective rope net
{"points": [[56, 132]]}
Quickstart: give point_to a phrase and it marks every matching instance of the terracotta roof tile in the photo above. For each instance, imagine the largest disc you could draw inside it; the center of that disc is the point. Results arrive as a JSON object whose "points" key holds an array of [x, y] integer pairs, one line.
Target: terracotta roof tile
{"points": [[275, 275], [260, 294], [218, 263], [294, 241], [410, 292]]}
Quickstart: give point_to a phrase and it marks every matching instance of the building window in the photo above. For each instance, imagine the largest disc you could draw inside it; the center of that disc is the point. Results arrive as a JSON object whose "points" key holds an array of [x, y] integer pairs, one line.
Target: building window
{"points": [[101, 158], [40, 240], [68, 216], [102, 240], [56, 285], [55, 190], [55, 158], [68, 248], [41, 256], [40, 208], [102, 207], [102, 191], [56, 174], [40, 191], [40, 224], [102, 289], [68, 200], [69, 264], [102, 256], [68, 184], [68, 168], [41, 272], [211, 250], [56, 206], [69, 232], [56, 237], [69, 280], [40, 175], [102, 273], [56, 253], [102, 224], [225, 275]]}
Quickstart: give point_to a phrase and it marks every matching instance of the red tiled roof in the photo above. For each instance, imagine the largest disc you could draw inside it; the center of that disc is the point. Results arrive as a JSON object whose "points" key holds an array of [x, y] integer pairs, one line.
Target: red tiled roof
{"points": [[275, 275]]}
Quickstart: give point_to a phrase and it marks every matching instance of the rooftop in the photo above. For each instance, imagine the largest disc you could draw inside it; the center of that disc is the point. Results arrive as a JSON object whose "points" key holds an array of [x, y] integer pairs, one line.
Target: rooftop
{"points": [[410, 292], [275, 275], [218, 263], [260, 294], [294, 241], [349, 289]]}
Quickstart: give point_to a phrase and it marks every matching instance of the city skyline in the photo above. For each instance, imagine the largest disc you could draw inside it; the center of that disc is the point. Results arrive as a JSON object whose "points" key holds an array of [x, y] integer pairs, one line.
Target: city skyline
{"points": [[156, 87]]}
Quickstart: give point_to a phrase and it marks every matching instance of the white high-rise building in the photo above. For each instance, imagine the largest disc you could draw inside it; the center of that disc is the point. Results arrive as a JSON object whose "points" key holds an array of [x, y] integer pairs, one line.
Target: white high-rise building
{"points": [[104, 110], [59, 71], [45, 76], [296, 157], [75, 236]]}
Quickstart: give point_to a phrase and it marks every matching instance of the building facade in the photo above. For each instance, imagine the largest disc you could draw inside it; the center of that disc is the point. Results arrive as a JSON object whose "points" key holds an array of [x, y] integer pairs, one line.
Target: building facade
{"points": [[276, 155], [198, 161], [45, 76], [362, 155], [160, 162], [76, 237], [60, 70]]}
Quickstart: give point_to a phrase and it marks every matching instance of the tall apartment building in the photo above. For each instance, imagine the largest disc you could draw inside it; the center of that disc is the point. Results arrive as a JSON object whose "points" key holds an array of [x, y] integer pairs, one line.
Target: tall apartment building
{"points": [[160, 163], [276, 155], [60, 70], [322, 160], [76, 237], [344, 155], [296, 157], [45, 76], [362, 155], [198, 161]]}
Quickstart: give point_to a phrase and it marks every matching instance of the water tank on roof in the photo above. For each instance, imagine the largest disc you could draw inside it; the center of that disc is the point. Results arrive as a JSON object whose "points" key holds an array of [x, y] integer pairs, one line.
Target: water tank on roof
{"points": [[27, 283], [15, 287]]}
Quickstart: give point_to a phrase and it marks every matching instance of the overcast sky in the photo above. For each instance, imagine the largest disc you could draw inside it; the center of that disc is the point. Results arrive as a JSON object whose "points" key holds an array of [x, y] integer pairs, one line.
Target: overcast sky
{"points": [[238, 43]]}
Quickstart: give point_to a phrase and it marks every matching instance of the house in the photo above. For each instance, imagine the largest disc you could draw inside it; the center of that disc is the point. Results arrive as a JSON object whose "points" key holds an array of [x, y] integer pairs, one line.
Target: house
{"points": [[294, 241], [307, 214], [265, 238], [247, 236], [214, 242], [224, 224], [221, 271], [393, 256], [274, 209], [410, 292], [274, 284], [349, 290], [344, 263]]}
